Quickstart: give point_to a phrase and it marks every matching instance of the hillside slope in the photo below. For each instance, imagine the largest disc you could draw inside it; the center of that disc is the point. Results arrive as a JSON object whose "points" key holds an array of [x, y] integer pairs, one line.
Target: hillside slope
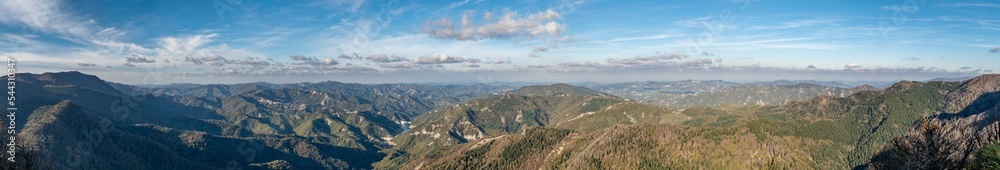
{"points": [[842, 132]]}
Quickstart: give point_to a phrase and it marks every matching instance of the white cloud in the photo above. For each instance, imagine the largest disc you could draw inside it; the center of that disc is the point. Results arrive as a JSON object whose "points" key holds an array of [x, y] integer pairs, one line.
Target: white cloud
{"points": [[995, 50], [136, 58], [654, 59], [497, 61], [470, 65], [198, 49], [650, 37], [202, 60], [796, 24], [693, 22], [299, 57], [457, 4], [438, 59], [189, 46], [510, 25], [852, 65], [540, 49], [52, 17], [350, 5], [398, 65], [250, 61], [584, 64], [219, 61], [316, 62], [382, 58]]}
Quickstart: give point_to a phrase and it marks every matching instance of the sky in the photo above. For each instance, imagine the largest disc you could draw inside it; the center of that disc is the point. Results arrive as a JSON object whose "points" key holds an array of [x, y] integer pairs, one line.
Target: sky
{"points": [[393, 41]]}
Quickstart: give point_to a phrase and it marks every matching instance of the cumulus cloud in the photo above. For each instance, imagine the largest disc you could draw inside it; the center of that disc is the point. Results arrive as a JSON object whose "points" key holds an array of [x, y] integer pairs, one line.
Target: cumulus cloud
{"points": [[382, 58], [136, 58], [965, 68], [298, 57], [995, 50], [313, 61], [438, 59], [317, 62], [811, 67], [707, 54], [86, 64], [852, 65], [911, 58], [510, 25], [329, 61], [345, 56]]}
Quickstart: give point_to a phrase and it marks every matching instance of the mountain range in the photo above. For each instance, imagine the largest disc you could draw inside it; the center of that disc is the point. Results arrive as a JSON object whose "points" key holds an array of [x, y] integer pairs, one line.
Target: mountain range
{"points": [[71, 120]]}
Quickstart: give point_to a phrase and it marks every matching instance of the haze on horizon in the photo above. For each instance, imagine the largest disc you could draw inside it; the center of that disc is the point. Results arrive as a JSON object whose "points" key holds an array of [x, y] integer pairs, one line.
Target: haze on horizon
{"points": [[391, 41]]}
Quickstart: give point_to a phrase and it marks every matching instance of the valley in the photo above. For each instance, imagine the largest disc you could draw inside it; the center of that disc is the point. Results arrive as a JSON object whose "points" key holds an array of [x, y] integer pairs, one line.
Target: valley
{"points": [[332, 125]]}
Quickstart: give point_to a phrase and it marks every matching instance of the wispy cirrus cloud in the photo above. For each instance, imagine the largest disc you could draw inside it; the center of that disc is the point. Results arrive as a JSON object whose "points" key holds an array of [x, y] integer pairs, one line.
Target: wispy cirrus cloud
{"points": [[988, 5], [49, 16], [649, 37], [796, 24], [456, 4], [349, 5]]}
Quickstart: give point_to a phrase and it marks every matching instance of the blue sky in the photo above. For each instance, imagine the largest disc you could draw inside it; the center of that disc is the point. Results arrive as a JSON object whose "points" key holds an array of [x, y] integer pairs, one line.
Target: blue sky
{"points": [[385, 41]]}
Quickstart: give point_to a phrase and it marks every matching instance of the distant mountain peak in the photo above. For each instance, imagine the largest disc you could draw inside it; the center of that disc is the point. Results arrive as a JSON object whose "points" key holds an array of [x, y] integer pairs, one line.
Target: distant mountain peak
{"points": [[980, 91], [952, 78], [903, 85], [74, 78], [555, 89]]}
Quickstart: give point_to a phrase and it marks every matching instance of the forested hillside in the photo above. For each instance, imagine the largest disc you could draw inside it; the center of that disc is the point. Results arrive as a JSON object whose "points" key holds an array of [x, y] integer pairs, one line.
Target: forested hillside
{"points": [[79, 121]]}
